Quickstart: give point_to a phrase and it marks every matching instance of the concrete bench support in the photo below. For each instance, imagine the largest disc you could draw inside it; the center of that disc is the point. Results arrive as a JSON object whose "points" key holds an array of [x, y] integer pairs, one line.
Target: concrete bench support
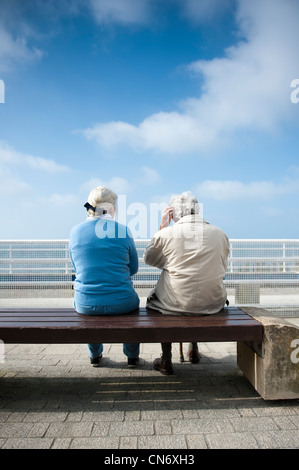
{"points": [[272, 366]]}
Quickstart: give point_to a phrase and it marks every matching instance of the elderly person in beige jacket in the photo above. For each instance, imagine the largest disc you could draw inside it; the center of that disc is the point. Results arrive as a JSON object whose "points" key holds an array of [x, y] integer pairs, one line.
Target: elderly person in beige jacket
{"points": [[193, 256]]}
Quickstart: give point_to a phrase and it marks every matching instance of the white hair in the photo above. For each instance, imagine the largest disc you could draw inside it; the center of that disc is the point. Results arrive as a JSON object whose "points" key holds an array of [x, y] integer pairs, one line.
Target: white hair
{"points": [[184, 204], [103, 199]]}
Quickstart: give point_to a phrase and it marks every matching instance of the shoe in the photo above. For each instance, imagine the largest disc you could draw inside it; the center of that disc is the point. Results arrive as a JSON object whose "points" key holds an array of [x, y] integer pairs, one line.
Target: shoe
{"points": [[193, 356], [163, 365], [133, 362], [95, 362]]}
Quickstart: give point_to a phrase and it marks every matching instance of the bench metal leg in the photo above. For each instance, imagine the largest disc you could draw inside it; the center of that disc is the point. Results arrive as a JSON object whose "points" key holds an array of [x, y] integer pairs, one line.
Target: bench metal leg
{"points": [[181, 352]]}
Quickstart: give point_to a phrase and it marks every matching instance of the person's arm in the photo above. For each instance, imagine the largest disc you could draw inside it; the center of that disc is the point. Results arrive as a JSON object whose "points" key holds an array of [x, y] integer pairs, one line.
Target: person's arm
{"points": [[153, 254], [166, 217], [225, 250], [70, 253], [133, 264]]}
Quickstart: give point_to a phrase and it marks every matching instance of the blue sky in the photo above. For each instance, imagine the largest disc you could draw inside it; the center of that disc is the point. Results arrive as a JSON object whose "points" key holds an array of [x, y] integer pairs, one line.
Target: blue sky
{"points": [[152, 98]]}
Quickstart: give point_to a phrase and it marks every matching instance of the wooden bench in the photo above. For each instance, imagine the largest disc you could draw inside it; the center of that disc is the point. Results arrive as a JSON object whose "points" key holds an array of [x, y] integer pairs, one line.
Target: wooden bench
{"points": [[267, 347], [65, 325]]}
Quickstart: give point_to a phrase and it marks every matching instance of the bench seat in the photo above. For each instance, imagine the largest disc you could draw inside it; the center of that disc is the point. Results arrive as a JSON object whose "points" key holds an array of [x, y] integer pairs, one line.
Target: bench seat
{"points": [[267, 347], [65, 325]]}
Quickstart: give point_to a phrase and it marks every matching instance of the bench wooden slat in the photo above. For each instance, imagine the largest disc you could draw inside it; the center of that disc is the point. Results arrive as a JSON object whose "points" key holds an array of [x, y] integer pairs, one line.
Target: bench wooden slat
{"points": [[142, 312], [104, 323], [122, 318], [66, 311], [144, 317]]}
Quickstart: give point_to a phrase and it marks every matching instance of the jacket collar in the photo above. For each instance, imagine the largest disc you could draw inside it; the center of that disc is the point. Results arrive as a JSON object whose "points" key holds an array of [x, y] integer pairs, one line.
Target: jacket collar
{"points": [[194, 218]]}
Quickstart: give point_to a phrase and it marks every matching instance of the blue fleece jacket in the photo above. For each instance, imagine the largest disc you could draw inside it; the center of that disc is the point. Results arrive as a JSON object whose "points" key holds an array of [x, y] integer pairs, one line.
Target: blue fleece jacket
{"points": [[104, 256]]}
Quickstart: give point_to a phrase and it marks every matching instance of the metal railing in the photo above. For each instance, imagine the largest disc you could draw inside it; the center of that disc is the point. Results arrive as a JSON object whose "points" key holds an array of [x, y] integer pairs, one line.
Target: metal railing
{"points": [[259, 272]]}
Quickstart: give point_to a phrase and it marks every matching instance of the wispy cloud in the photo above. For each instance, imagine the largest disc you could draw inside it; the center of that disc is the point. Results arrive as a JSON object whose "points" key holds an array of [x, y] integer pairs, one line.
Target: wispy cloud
{"points": [[130, 12], [11, 185], [26, 26], [10, 156], [248, 88], [203, 10], [120, 11], [237, 190], [15, 50], [24, 43], [118, 184], [149, 176], [62, 200], [16, 35]]}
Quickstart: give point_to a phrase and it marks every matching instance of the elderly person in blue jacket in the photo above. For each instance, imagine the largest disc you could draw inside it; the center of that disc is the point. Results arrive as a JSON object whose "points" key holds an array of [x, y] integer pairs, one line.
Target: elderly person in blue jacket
{"points": [[104, 257]]}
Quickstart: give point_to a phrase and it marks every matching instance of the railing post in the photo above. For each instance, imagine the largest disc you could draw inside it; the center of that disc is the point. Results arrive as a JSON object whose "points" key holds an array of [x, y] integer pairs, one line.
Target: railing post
{"points": [[283, 257], [10, 258]]}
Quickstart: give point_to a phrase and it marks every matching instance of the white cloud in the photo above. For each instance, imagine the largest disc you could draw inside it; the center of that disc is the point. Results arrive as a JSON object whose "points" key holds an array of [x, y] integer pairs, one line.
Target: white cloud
{"points": [[249, 88], [15, 50], [203, 10], [149, 176], [114, 132], [16, 42], [45, 164], [161, 198], [165, 132], [63, 199], [10, 185], [116, 183], [128, 12], [237, 190], [120, 11], [294, 169], [8, 155]]}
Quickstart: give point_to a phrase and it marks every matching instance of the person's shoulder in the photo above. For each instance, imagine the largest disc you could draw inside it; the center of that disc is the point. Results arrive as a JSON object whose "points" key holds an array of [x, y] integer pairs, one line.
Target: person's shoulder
{"points": [[164, 234], [217, 229], [78, 228]]}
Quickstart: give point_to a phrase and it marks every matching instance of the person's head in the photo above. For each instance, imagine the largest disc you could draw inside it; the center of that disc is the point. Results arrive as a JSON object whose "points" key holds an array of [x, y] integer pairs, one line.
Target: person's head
{"points": [[183, 204], [103, 200]]}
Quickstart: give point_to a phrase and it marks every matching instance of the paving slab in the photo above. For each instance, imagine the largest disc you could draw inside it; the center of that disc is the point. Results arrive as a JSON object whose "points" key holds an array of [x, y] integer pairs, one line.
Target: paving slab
{"points": [[50, 397]]}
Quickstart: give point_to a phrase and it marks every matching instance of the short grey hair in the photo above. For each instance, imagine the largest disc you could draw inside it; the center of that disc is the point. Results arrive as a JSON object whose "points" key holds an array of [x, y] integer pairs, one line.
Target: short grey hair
{"points": [[184, 204], [102, 198]]}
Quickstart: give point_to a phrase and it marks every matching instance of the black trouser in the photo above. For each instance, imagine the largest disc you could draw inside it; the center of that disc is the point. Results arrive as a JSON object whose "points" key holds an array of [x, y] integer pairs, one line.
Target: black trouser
{"points": [[166, 350]]}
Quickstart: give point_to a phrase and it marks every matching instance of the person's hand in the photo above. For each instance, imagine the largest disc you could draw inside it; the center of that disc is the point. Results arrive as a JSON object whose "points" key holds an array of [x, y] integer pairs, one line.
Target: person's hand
{"points": [[167, 215]]}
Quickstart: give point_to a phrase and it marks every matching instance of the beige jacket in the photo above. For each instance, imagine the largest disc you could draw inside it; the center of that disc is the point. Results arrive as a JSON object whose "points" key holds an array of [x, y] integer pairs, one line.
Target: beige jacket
{"points": [[193, 256]]}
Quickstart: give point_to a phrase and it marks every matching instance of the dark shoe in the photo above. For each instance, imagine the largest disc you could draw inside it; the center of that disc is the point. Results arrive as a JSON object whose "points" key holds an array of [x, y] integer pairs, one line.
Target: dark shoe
{"points": [[193, 356], [133, 362], [95, 362], [163, 365]]}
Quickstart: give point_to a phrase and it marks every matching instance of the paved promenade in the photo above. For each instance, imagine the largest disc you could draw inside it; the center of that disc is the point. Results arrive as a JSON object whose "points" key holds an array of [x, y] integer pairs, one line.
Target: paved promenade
{"points": [[50, 397]]}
